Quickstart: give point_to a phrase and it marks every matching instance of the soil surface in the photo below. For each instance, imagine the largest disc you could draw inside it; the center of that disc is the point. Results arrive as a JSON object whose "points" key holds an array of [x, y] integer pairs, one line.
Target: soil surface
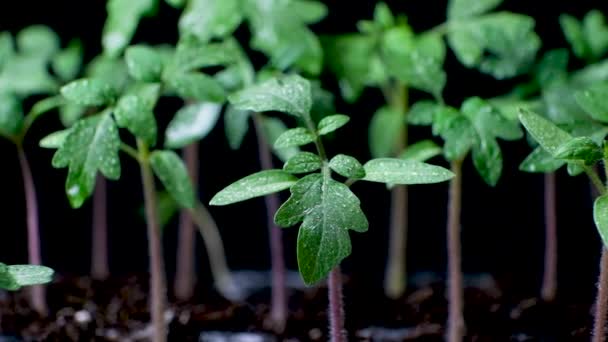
{"points": [[116, 310]]}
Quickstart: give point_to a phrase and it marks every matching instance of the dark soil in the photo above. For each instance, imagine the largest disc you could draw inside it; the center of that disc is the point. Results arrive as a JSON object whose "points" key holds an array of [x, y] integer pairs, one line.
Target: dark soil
{"points": [[84, 310]]}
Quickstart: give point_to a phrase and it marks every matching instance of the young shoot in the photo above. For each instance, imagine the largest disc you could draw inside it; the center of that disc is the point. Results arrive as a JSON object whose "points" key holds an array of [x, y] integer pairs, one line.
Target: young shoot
{"points": [[326, 208]]}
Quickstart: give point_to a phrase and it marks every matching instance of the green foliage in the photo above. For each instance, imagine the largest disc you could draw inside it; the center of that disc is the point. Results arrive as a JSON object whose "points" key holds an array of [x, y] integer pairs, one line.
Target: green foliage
{"points": [[580, 148], [600, 216], [207, 19], [236, 125], [384, 129], [331, 123], [191, 123], [421, 151], [255, 185], [89, 92], [172, 172], [548, 135], [294, 137], [589, 38], [399, 171], [323, 242], [289, 94], [593, 100], [13, 277], [91, 145], [347, 166], [122, 21], [144, 63], [303, 162], [137, 116]]}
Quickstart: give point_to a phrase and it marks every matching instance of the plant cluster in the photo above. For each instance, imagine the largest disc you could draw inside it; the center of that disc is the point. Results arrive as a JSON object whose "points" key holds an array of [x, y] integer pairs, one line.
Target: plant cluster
{"points": [[110, 106]]}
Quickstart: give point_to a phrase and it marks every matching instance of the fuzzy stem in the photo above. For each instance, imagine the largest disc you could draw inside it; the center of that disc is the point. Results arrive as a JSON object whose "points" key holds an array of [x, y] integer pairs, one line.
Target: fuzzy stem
{"points": [[549, 287], [395, 278], [601, 301], [157, 271], [278, 304], [37, 293], [185, 269], [455, 326], [99, 254], [215, 250], [336, 306]]}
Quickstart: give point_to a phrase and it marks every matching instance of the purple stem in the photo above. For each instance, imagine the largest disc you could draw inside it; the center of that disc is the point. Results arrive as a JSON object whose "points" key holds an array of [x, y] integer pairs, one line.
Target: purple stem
{"points": [[157, 270], [601, 302], [185, 270], [37, 293], [278, 311], [336, 306], [549, 287], [455, 326], [99, 257]]}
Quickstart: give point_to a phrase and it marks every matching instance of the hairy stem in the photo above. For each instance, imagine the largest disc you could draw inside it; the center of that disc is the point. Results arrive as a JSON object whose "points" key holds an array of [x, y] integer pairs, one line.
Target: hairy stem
{"points": [[158, 295], [336, 306], [549, 287], [455, 326], [215, 250], [395, 278], [99, 254], [37, 293], [185, 269], [601, 301], [278, 304]]}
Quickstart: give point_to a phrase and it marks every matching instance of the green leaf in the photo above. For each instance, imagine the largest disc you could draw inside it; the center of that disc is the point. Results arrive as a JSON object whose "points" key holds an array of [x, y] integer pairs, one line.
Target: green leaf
{"points": [[487, 159], [122, 21], [272, 129], [323, 240], [594, 101], [109, 70], [575, 169], [348, 57], [137, 116], [600, 216], [176, 3], [192, 54], [69, 113], [54, 140], [500, 44], [488, 121], [38, 40], [144, 63], [303, 162], [92, 144], [67, 63], [89, 92], [258, 184], [347, 166], [26, 275], [294, 137], [540, 161], [457, 132], [596, 33], [421, 151], [290, 94], [281, 34], [547, 134], [191, 123], [11, 115], [7, 50], [580, 148], [197, 86], [166, 207], [552, 68], [573, 31], [172, 172], [417, 62], [308, 11], [206, 19], [236, 125], [27, 75], [384, 131], [331, 123], [13, 277], [462, 9], [399, 171], [422, 113]]}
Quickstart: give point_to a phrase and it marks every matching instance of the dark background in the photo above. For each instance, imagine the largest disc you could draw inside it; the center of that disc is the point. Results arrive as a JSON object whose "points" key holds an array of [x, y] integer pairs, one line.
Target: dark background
{"points": [[502, 226]]}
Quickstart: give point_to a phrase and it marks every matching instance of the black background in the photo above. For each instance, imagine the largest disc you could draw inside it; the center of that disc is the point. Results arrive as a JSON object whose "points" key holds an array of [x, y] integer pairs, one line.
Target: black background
{"points": [[502, 226]]}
